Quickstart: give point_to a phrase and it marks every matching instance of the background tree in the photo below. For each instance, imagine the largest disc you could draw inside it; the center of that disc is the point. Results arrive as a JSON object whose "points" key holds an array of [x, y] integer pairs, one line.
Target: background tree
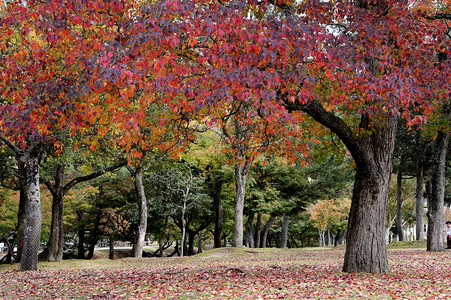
{"points": [[60, 175], [183, 198]]}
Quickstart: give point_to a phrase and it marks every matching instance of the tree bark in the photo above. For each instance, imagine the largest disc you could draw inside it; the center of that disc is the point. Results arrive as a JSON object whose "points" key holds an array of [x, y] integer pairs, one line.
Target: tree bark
{"points": [[399, 205], [219, 213], [284, 231], [249, 231], [183, 229], [161, 236], [111, 248], [241, 172], [265, 231], [56, 238], [21, 215], [142, 208], [94, 235], [258, 231], [435, 212], [339, 238], [419, 227], [199, 242], [33, 214], [81, 243], [191, 238]]}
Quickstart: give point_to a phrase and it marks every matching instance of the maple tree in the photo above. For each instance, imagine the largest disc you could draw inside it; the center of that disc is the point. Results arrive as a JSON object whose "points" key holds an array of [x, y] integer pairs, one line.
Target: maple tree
{"points": [[45, 50], [354, 66], [327, 214]]}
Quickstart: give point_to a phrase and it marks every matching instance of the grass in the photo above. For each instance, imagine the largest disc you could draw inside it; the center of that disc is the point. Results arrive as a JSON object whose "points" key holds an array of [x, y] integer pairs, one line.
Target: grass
{"points": [[234, 273], [407, 245]]}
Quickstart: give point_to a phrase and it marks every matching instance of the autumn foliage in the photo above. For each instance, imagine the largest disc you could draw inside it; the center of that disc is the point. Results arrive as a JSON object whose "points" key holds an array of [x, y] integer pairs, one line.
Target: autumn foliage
{"points": [[143, 73]]}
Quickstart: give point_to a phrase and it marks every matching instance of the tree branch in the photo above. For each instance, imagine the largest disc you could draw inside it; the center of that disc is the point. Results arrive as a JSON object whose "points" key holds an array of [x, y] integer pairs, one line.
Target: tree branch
{"points": [[93, 175], [315, 109], [11, 145], [440, 16]]}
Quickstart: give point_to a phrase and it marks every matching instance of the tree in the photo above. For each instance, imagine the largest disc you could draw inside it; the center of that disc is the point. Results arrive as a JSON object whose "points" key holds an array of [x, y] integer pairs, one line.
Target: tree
{"points": [[64, 176], [179, 192], [45, 49], [326, 214], [207, 155]]}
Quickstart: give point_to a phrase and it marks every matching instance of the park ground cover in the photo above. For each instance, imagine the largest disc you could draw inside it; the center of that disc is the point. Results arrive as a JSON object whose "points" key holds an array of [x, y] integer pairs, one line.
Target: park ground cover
{"points": [[231, 273]]}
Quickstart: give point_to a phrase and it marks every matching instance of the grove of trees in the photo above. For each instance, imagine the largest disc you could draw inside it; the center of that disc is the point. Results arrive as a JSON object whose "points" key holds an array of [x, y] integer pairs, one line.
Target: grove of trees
{"points": [[236, 121]]}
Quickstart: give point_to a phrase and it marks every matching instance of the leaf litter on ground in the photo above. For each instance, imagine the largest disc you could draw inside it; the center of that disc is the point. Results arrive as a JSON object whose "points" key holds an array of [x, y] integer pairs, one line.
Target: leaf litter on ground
{"points": [[231, 273]]}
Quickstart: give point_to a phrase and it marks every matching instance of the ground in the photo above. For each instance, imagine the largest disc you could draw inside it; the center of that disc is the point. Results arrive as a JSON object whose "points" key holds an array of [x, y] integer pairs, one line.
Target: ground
{"points": [[231, 273]]}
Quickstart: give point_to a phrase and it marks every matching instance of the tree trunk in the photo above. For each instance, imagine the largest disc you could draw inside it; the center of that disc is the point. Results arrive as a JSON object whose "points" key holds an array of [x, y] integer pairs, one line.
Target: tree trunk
{"points": [[21, 217], [241, 172], [183, 230], [94, 235], [81, 243], [219, 214], [339, 238], [249, 231], [199, 242], [33, 214], [399, 205], [435, 212], [142, 208], [419, 227], [191, 238], [365, 241], [161, 236], [284, 232], [258, 231], [365, 247], [111, 249], [330, 238], [373, 155], [56, 238], [265, 231]]}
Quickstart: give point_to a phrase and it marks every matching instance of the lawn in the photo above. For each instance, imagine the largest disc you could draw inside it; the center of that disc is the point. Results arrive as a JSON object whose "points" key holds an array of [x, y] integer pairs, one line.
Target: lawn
{"points": [[231, 273]]}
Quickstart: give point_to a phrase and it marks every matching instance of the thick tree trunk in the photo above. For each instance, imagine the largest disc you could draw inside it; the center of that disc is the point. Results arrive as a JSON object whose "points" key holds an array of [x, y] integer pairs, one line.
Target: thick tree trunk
{"points": [[399, 205], [56, 238], [435, 212], [142, 208], [365, 241], [241, 171], [284, 231], [373, 154], [419, 227], [258, 231], [219, 214], [33, 214], [365, 248], [265, 231]]}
